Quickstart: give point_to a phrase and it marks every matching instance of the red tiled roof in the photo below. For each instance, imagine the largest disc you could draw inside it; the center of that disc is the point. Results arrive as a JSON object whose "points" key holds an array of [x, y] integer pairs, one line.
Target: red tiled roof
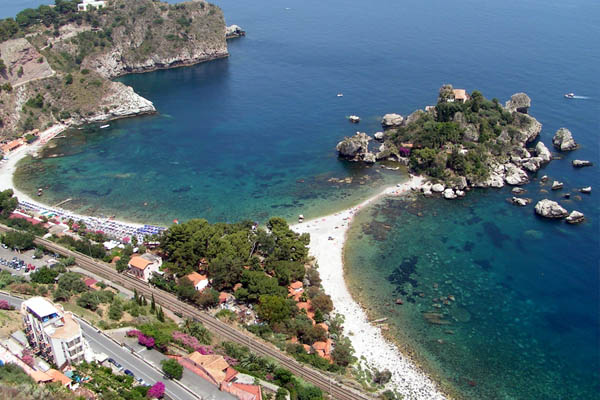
{"points": [[196, 278], [139, 262]]}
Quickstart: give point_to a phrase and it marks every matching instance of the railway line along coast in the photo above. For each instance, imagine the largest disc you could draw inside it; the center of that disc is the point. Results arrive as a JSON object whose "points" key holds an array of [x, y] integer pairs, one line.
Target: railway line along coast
{"points": [[325, 382]]}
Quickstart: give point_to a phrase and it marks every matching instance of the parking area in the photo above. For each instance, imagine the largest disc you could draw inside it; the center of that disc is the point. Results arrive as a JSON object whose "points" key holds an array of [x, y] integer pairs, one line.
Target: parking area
{"points": [[17, 262]]}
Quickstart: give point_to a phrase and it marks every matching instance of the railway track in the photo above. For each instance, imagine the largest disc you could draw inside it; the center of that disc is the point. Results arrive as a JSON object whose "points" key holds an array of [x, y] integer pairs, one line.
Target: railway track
{"points": [[169, 301]]}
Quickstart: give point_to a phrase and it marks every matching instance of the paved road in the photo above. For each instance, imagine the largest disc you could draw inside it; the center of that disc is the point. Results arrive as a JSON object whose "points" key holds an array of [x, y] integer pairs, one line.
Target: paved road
{"points": [[326, 381], [101, 343]]}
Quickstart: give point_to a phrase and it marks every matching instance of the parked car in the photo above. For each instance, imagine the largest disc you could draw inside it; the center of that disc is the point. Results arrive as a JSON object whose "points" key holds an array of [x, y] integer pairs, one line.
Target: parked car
{"points": [[142, 382], [115, 363], [128, 372]]}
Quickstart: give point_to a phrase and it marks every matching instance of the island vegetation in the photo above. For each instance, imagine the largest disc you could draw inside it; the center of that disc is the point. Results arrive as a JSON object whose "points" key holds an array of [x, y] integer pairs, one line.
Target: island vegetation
{"points": [[465, 140]]}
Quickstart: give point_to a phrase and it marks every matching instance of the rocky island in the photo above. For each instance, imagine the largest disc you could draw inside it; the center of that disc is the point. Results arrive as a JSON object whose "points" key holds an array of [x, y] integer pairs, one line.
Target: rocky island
{"points": [[56, 62], [464, 141]]}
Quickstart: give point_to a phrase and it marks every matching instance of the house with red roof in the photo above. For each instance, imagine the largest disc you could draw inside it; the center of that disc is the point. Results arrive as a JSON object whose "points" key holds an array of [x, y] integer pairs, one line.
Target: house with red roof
{"points": [[144, 266], [199, 281], [216, 370]]}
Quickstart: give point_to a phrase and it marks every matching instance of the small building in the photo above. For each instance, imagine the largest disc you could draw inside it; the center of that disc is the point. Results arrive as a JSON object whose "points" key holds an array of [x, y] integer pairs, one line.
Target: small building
{"points": [[216, 370], [200, 281], [295, 290], [144, 266], [87, 5], [52, 333], [10, 146], [58, 376], [460, 95], [323, 349]]}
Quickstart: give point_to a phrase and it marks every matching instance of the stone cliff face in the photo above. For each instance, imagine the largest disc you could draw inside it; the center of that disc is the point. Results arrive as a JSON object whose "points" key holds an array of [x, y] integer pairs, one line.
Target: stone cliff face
{"points": [[120, 102], [156, 36]]}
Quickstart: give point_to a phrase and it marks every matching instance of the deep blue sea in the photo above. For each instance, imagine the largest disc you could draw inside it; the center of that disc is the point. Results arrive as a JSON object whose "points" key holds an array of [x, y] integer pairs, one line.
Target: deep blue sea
{"points": [[253, 136]]}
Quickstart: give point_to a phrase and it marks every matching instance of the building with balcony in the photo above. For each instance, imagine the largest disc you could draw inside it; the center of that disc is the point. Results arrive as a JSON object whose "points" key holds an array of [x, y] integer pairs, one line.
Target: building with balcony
{"points": [[52, 333]]}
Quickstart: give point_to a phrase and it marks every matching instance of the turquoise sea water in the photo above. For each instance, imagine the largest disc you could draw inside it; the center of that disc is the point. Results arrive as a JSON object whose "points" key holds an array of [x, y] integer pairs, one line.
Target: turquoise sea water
{"points": [[254, 135]]}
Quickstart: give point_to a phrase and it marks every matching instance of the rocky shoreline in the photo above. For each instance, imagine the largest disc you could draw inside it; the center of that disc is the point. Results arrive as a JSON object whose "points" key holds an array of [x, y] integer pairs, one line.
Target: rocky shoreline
{"points": [[502, 150]]}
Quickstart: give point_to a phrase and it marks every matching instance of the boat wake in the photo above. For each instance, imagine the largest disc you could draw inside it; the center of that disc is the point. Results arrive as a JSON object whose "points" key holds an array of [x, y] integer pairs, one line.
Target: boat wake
{"points": [[581, 97]]}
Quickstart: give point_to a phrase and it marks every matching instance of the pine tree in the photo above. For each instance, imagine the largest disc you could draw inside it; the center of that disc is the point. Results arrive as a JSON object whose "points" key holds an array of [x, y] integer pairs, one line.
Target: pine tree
{"points": [[144, 301], [136, 296], [153, 304], [160, 315]]}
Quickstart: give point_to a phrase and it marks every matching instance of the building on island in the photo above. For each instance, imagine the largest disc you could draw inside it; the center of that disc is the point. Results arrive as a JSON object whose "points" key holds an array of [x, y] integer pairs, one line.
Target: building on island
{"points": [[87, 5], [460, 96], [144, 266], [52, 333], [200, 281]]}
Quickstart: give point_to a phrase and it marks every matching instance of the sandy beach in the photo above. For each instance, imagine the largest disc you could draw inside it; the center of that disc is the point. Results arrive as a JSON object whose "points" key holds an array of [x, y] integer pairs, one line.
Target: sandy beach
{"points": [[7, 169], [328, 235]]}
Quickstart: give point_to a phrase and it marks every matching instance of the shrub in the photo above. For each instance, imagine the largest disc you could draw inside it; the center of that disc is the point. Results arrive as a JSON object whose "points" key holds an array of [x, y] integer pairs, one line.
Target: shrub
{"points": [[172, 369], [157, 391], [5, 306]]}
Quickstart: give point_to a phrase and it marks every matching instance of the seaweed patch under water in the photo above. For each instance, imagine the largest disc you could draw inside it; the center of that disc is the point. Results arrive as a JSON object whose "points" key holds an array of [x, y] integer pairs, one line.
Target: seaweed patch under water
{"points": [[402, 274]]}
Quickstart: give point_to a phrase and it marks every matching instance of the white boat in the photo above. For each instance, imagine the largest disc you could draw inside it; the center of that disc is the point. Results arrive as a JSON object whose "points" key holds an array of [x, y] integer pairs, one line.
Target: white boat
{"points": [[104, 126], [570, 95], [340, 95]]}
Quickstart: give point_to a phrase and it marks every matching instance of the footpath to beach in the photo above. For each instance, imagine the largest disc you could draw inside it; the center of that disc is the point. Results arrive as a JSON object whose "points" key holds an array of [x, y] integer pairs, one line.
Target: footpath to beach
{"points": [[327, 238]]}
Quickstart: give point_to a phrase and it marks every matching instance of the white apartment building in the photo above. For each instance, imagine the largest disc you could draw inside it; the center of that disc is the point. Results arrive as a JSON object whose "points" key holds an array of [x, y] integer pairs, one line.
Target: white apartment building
{"points": [[52, 332]]}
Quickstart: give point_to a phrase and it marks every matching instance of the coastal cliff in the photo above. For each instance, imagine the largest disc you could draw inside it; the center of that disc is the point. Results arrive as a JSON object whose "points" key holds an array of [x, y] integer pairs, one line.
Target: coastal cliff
{"points": [[56, 62]]}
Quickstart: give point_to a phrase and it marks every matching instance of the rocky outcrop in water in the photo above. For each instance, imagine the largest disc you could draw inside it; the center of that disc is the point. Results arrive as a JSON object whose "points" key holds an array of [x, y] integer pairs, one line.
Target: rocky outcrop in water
{"points": [[542, 152], [356, 148], [550, 209], [575, 217], [518, 201], [563, 140], [518, 102], [514, 175], [391, 121], [234, 31]]}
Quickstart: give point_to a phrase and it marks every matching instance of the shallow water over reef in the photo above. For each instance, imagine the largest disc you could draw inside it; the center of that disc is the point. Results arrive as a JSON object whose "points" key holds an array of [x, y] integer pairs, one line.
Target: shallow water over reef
{"points": [[498, 303]]}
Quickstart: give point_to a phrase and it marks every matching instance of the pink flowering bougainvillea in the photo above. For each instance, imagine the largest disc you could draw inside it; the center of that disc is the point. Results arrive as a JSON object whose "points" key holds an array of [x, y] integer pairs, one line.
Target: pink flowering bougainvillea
{"points": [[157, 391], [133, 333], [147, 341]]}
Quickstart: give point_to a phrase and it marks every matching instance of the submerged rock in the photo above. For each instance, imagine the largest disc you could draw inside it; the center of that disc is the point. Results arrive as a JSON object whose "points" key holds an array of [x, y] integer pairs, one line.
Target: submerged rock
{"points": [[550, 209], [575, 217], [544, 178], [581, 163], [563, 140], [518, 190]]}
